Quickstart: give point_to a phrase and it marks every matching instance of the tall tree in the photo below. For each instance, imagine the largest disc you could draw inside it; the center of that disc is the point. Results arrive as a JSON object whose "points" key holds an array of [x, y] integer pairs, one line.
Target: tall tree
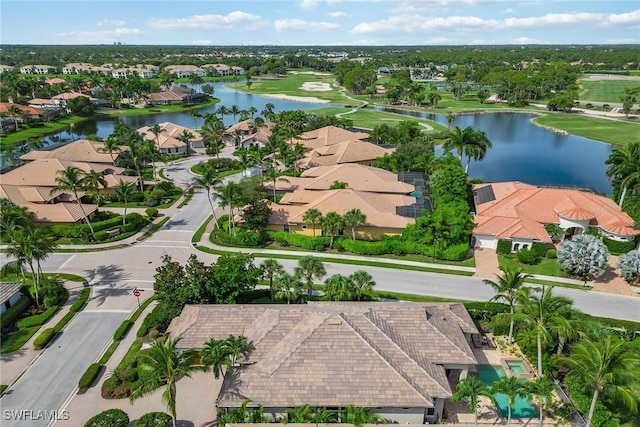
{"points": [[195, 115], [14, 218], [92, 181], [624, 168], [288, 287], [270, 270], [163, 364], [353, 219], [332, 224], [234, 111], [125, 191], [338, 288], [212, 132], [539, 309], [72, 179], [512, 387], [507, 287], [470, 389], [467, 142], [608, 367], [228, 194], [156, 130], [309, 268], [362, 282], [209, 180], [314, 217], [542, 388]]}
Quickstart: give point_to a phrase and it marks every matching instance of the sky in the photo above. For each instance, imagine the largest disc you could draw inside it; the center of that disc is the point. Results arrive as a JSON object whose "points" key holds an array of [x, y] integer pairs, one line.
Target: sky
{"points": [[320, 22]]}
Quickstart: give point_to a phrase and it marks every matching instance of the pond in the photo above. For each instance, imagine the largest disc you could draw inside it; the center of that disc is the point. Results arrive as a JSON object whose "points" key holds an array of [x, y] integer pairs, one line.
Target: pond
{"points": [[521, 150]]}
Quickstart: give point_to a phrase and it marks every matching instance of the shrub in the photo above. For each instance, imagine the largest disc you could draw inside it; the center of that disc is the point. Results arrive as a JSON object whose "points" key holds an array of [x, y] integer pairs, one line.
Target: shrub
{"points": [[602, 417], [616, 248], [89, 375], [151, 212], [159, 318], [504, 247], [528, 256], [53, 292], [84, 295], [539, 249], [456, 253], [109, 418], [485, 311], [43, 339], [128, 227], [551, 253], [63, 322], [38, 319], [101, 235], [14, 311], [153, 419], [318, 243], [122, 330]]}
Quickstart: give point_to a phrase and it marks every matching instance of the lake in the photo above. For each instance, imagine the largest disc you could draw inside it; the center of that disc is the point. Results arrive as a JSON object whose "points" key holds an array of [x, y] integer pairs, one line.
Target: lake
{"points": [[521, 150]]}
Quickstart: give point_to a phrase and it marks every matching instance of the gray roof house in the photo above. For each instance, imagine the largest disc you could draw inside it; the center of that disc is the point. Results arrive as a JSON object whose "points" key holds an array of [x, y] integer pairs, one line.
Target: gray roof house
{"points": [[395, 358], [9, 295]]}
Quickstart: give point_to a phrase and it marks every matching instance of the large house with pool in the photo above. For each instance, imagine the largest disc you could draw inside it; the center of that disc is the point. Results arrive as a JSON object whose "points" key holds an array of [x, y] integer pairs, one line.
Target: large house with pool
{"points": [[518, 212], [400, 360]]}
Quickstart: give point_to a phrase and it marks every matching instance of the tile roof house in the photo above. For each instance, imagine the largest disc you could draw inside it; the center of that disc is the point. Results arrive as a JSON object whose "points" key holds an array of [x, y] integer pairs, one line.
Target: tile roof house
{"points": [[247, 135], [393, 358], [81, 150], [174, 95], [185, 70], [9, 295], [518, 212], [168, 140], [387, 214]]}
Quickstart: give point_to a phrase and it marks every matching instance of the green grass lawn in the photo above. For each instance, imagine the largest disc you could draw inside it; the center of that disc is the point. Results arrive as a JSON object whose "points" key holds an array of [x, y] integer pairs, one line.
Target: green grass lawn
{"points": [[292, 85], [546, 267], [18, 339], [605, 90], [370, 118], [40, 131], [175, 195], [176, 108], [612, 131]]}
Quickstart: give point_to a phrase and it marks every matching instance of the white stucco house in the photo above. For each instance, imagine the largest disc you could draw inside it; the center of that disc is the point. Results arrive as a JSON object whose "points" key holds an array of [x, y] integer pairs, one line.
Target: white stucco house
{"points": [[9, 295]]}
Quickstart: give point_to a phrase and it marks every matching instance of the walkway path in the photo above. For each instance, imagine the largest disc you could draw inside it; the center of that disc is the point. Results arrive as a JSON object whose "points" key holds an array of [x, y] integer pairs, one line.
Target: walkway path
{"points": [[486, 263]]}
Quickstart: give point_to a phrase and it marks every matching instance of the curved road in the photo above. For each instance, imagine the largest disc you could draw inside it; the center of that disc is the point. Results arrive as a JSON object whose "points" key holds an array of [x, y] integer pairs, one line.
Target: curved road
{"points": [[51, 380]]}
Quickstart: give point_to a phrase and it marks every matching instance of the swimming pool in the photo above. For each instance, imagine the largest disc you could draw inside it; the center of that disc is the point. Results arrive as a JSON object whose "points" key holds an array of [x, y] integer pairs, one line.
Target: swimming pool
{"points": [[522, 407]]}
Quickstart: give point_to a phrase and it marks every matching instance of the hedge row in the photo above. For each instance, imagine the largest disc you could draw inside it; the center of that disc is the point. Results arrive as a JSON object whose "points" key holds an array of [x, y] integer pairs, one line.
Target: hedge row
{"points": [[318, 243], [154, 419], [485, 311], [43, 339], [38, 319], [617, 248], [122, 330], [109, 418], [89, 376], [84, 296], [504, 247], [82, 230], [14, 311]]}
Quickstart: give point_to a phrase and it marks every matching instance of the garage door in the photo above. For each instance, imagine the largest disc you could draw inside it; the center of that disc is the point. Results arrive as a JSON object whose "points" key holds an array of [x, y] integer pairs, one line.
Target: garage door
{"points": [[485, 242]]}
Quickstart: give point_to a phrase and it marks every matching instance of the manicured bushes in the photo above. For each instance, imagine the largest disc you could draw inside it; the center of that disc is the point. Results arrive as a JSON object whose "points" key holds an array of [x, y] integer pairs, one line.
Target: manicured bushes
{"points": [[159, 319], [617, 248], [82, 231], [122, 330], [151, 212], [540, 249], [14, 311], [84, 296], [153, 419], [89, 376], [38, 319], [528, 256], [456, 253], [43, 339], [318, 243], [109, 418], [551, 253], [485, 311], [53, 292], [504, 247], [101, 235]]}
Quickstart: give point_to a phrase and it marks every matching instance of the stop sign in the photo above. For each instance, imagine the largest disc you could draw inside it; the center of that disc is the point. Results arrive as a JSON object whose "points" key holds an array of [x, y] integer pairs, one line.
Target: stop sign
{"points": [[136, 293]]}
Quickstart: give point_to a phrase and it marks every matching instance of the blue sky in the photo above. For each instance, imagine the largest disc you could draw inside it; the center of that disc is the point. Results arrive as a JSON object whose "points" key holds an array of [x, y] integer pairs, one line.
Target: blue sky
{"points": [[320, 22]]}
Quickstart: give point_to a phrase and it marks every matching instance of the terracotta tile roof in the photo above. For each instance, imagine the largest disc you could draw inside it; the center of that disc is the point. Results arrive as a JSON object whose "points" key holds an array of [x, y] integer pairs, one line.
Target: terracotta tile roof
{"points": [[22, 195], [521, 210], [245, 126], [32, 111], [165, 96], [69, 95], [43, 172], [384, 354], [380, 209], [169, 137], [60, 212], [82, 150], [328, 135], [350, 151]]}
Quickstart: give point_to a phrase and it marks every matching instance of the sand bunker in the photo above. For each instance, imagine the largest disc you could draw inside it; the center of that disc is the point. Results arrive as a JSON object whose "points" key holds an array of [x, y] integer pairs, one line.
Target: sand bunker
{"points": [[311, 99], [315, 87]]}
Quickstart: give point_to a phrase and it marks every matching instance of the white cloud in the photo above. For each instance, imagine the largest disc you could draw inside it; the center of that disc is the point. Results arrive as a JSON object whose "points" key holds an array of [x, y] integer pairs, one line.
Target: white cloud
{"points": [[421, 24], [110, 23], [308, 4], [334, 1], [201, 42], [624, 18], [119, 34], [205, 22], [508, 11], [338, 14], [306, 26]]}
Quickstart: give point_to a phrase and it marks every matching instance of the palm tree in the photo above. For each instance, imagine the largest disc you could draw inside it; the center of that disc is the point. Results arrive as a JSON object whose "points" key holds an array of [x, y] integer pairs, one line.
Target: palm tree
{"points": [[268, 111], [624, 168], [228, 195], [354, 218], [163, 364], [208, 181], [273, 175], [312, 216], [310, 267], [332, 223], [299, 415], [215, 355], [252, 110], [185, 136], [124, 191], [92, 181], [542, 388], [471, 388], [212, 132], [234, 111], [270, 270], [362, 282], [236, 346], [359, 416], [478, 149], [195, 115], [156, 130], [507, 287], [287, 287], [14, 217], [245, 159], [338, 288], [222, 111], [609, 367], [111, 145], [71, 179], [32, 245], [512, 387], [539, 309], [467, 142]]}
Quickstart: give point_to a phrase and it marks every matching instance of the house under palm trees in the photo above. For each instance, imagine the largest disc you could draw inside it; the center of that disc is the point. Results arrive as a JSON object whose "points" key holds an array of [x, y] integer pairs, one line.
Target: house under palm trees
{"points": [[171, 139], [248, 134], [392, 358], [81, 150]]}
